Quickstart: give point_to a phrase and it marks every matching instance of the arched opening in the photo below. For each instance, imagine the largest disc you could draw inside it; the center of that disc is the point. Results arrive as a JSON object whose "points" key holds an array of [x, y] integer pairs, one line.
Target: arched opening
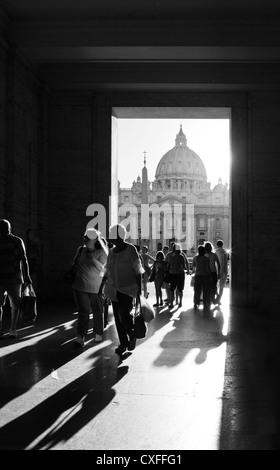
{"points": [[177, 177]]}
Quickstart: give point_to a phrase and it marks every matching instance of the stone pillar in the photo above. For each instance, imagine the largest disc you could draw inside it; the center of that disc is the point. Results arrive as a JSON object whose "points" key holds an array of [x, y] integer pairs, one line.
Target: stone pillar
{"points": [[240, 240]]}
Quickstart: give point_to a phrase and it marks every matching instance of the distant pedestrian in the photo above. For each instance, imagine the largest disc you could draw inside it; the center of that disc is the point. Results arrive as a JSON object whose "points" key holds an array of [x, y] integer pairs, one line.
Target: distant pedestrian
{"points": [[90, 258], [123, 282], [176, 268], [158, 273], [148, 261], [223, 258], [166, 286], [202, 279], [14, 272], [168, 253], [215, 269]]}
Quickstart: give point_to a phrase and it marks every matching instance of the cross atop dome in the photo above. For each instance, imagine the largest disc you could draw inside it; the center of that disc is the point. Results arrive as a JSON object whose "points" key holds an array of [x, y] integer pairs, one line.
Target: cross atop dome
{"points": [[145, 153]]}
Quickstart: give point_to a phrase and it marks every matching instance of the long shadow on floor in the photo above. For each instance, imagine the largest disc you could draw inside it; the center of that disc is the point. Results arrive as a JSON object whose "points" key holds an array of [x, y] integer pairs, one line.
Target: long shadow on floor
{"points": [[65, 413], [46, 346]]}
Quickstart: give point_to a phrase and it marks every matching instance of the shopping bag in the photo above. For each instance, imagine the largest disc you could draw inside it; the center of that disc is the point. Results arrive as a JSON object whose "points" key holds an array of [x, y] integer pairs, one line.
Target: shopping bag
{"points": [[146, 309], [192, 281], [28, 306]]}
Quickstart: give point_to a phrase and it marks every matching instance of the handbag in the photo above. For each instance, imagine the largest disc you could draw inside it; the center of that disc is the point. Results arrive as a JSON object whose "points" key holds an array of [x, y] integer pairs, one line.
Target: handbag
{"points": [[153, 275], [69, 276], [146, 309], [139, 326], [192, 281], [28, 305]]}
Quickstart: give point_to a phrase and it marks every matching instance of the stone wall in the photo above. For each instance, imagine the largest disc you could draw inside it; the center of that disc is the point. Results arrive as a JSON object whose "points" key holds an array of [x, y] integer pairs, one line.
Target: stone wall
{"points": [[2, 129], [263, 198], [72, 168], [19, 171]]}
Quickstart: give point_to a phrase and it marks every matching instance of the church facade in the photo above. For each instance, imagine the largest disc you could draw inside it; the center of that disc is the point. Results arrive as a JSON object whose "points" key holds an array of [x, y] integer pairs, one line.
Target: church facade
{"points": [[182, 205]]}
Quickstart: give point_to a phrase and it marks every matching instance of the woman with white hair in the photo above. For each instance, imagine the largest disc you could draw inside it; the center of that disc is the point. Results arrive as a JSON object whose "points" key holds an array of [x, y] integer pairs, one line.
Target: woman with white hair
{"points": [[123, 283], [90, 259]]}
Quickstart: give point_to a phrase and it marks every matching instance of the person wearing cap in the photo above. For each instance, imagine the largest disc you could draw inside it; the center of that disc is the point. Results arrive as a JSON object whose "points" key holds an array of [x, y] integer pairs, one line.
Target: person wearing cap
{"points": [[176, 267], [14, 272], [90, 259]]}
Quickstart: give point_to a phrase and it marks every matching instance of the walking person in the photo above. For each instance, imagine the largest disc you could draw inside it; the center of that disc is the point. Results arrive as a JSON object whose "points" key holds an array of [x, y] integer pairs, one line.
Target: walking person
{"points": [[223, 258], [176, 268], [215, 270], [14, 272], [187, 271], [123, 282], [158, 273], [202, 279], [90, 258], [147, 263], [166, 285], [105, 301]]}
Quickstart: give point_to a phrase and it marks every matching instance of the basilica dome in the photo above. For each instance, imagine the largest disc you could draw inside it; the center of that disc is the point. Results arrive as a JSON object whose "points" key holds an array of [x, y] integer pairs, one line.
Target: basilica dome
{"points": [[181, 162], [220, 187]]}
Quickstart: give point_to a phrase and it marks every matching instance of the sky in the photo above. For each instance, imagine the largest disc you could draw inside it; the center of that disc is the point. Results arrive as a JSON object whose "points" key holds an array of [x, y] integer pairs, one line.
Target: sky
{"points": [[209, 138]]}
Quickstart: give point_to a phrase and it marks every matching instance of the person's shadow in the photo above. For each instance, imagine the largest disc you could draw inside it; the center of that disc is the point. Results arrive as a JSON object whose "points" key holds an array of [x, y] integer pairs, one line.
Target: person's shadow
{"points": [[190, 331], [66, 412]]}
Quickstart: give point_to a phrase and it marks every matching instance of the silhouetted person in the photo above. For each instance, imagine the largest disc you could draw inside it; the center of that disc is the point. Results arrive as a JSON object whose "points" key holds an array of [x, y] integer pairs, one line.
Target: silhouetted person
{"points": [[215, 269], [223, 258], [202, 279], [158, 273], [176, 266], [14, 272], [166, 285]]}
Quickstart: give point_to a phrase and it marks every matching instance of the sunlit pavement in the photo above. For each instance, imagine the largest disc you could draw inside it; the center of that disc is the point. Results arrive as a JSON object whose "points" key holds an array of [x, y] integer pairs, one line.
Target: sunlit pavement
{"points": [[182, 388]]}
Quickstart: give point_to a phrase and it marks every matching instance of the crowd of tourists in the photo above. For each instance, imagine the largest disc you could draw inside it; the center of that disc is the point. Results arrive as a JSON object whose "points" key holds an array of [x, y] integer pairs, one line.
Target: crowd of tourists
{"points": [[114, 272]]}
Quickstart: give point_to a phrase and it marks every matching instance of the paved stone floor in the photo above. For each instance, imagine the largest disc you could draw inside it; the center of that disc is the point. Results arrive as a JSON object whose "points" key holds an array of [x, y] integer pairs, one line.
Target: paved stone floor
{"points": [[193, 383]]}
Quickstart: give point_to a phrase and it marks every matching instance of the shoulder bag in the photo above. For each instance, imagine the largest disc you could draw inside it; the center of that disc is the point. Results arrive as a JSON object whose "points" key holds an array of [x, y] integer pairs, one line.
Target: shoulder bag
{"points": [[70, 275]]}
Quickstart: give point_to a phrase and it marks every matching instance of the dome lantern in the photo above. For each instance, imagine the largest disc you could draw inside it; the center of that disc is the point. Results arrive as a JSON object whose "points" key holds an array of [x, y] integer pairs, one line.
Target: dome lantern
{"points": [[181, 140]]}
